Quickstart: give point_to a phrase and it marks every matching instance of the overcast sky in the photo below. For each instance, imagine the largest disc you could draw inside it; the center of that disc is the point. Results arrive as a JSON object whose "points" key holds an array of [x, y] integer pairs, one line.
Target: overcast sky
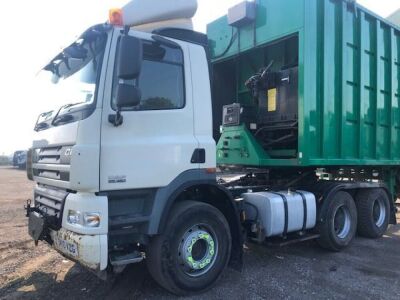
{"points": [[34, 31]]}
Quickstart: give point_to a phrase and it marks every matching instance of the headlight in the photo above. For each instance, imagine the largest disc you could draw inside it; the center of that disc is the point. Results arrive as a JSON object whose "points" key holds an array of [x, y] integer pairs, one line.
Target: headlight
{"points": [[74, 217], [86, 219]]}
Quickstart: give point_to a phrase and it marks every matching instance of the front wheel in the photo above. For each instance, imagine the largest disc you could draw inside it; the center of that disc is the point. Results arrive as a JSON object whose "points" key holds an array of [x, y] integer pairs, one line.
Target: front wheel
{"points": [[192, 253]]}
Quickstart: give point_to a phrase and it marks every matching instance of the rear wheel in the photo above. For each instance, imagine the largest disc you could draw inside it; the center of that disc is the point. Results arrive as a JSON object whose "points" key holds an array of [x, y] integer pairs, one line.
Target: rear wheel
{"points": [[373, 207], [339, 222], [193, 251]]}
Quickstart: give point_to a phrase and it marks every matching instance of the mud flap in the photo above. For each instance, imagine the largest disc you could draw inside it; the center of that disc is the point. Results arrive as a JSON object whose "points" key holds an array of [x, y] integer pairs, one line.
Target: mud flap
{"points": [[36, 226]]}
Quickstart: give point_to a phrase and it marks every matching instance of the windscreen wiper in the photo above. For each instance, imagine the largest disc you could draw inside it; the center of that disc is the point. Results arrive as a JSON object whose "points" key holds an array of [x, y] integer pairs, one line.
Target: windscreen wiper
{"points": [[45, 123], [71, 105], [61, 108], [63, 119], [41, 126]]}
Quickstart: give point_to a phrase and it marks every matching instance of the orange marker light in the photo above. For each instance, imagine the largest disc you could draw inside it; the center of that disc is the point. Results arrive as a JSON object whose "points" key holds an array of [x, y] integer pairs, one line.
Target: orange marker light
{"points": [[211, 170], [115, 17]]}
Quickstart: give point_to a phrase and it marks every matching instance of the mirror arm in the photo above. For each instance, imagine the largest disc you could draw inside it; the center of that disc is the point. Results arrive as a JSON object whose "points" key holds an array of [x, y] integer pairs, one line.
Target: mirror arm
{"points": [[119, 119], [116, 119], [126, 29]]}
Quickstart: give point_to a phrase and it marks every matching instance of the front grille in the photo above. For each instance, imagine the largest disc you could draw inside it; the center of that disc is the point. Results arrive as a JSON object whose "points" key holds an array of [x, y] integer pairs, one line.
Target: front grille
{"points": [[60, 155], [49, 155], [51, 174], [52, 163], [50, 201]]}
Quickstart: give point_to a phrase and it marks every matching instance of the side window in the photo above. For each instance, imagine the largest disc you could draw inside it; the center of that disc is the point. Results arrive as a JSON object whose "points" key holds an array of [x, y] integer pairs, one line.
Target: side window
{"points": [[161, 80]]}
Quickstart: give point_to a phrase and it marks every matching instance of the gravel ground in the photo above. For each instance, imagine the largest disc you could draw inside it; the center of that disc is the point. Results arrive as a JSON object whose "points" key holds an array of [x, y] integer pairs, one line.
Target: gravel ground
{"points": [[369, 269]]}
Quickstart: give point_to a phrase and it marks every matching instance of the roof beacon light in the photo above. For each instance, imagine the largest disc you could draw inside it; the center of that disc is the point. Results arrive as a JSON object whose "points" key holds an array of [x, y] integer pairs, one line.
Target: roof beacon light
{"points": [[116, 17]]}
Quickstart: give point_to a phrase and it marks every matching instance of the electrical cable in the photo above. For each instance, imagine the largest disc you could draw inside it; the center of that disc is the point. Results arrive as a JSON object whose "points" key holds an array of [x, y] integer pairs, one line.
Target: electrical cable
{"points": [[233, 38]]}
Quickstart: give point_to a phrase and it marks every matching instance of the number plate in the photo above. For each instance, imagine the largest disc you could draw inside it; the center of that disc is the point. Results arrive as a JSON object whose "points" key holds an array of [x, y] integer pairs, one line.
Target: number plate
{"points": [[67, 247]]}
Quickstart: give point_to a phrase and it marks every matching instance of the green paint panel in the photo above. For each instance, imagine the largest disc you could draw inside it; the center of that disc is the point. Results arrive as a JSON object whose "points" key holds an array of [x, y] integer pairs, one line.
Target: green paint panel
{"points": [[238, 144], [349, 80], [275, 19]]}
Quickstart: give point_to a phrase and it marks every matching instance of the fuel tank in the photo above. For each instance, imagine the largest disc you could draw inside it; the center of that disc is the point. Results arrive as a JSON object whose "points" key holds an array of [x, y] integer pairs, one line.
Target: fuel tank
{"points": [[282, 212]]}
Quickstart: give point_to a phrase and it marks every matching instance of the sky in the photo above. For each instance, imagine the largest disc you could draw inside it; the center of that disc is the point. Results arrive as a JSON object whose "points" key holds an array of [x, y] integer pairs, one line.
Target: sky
{"points": [[35, 31]]}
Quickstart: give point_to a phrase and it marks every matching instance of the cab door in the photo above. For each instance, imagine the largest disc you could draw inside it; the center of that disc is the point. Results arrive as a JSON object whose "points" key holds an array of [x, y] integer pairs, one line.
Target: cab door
{"points": [[156, 140]]}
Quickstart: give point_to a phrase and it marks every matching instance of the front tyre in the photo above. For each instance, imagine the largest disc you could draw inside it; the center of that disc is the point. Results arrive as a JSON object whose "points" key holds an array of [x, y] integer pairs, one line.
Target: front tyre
{"points": [[192, 253]]}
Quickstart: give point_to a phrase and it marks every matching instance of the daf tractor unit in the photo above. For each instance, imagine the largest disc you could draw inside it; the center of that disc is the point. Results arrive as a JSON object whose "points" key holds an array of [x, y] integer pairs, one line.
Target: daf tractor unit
{"points": [[280, 125]]}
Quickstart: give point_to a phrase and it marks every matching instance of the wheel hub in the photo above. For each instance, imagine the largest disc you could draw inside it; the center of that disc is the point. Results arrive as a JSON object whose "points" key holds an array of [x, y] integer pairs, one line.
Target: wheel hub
{"points": [[197, 251], [342, 222], [379, 212]]}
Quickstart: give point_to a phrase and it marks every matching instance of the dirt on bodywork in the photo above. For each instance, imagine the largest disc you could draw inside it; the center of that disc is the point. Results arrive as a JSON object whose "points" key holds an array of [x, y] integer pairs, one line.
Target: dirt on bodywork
{"points": [[369, 269]]}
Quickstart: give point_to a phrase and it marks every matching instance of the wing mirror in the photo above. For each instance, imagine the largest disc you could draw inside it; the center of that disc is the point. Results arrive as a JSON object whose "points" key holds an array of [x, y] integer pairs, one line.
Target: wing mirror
{"points": [[127, 96], [129, 63], [129, 57]]}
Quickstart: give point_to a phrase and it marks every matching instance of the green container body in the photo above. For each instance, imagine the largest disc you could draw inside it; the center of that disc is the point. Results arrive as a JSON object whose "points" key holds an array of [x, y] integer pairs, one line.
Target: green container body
{"points": [[349, 81]]}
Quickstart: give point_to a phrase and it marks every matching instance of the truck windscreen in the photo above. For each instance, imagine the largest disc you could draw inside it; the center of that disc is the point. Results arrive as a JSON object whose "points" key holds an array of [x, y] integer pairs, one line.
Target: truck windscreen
{"points": [[70, 79]]}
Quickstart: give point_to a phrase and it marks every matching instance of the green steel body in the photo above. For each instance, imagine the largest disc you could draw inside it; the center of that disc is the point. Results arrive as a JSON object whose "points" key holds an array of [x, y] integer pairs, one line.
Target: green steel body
{"points": [[349, 83]]}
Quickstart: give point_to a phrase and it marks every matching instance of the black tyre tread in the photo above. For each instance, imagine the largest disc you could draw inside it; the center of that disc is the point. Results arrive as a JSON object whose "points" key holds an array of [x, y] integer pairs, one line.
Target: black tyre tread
{"points": [[325, 240], [365, 226], [155, 260]]}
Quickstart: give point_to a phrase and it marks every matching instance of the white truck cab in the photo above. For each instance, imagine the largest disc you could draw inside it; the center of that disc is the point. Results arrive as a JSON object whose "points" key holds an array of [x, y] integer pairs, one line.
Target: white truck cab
{"points": [[110, 169]]}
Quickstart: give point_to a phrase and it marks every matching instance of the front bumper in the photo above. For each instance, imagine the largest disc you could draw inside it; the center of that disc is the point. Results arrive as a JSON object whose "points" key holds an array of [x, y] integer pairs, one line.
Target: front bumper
{"points": [[89, 250], [88, 246]]}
